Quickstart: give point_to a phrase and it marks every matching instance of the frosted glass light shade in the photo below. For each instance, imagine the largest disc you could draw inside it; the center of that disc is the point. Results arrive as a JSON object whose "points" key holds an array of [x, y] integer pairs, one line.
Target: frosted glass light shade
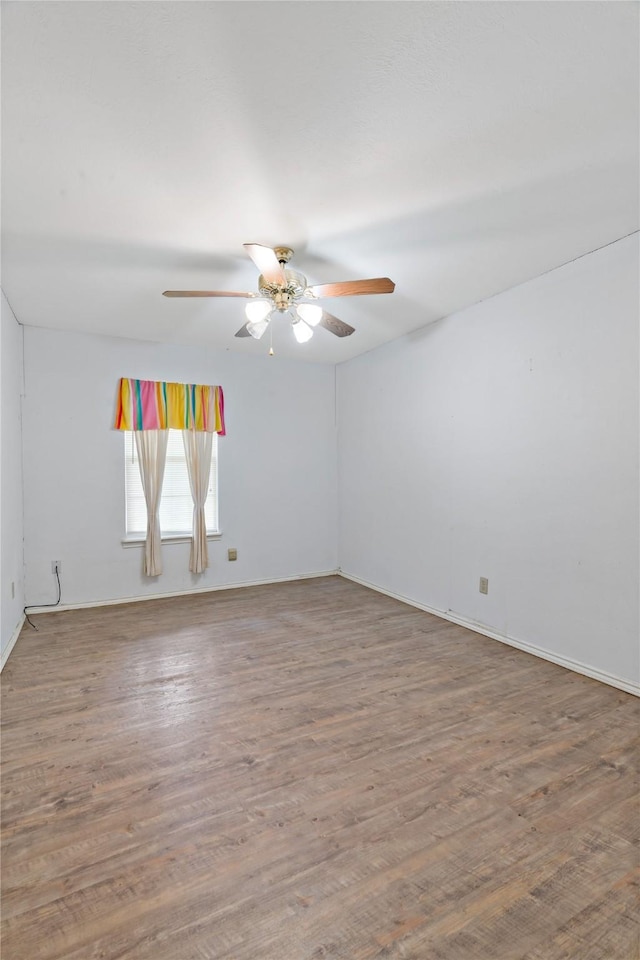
{"points": [[257, 327], [302, 331], [311, 313], [258, 309]]}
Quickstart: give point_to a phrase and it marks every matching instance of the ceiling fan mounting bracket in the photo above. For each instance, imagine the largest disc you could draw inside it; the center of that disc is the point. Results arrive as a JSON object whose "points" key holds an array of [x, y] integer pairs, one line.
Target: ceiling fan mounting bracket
{"points": [[283, 254]]}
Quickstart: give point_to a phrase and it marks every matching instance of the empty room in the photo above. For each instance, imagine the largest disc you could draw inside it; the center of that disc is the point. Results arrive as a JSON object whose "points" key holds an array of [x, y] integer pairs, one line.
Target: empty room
{"points": [[319, 487]]}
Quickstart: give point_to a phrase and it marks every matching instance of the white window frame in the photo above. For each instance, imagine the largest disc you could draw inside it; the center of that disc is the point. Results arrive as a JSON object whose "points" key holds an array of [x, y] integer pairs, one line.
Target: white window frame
{"points": [[132, 471]]}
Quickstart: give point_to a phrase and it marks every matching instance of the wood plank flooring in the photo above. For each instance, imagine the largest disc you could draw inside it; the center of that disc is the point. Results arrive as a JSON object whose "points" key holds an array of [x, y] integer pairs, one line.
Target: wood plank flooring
{"points": [[309, 770]]}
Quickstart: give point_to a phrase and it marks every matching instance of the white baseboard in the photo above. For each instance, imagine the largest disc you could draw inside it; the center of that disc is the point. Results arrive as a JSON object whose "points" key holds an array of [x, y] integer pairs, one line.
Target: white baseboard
{"points": [[12, 642], [585, 669], [178, 593]]}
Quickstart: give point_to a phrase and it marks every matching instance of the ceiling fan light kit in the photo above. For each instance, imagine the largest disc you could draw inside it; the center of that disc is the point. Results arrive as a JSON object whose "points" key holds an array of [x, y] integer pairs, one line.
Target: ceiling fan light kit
{"points": [[258, 310], [311, 313], [302, 331], [257, 327], [282, 287]]}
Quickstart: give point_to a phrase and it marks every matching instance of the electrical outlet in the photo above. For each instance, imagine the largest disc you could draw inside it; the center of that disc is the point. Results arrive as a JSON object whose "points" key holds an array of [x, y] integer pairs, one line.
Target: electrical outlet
{"points": [[484, 585], [232, 553], [56, 567]]}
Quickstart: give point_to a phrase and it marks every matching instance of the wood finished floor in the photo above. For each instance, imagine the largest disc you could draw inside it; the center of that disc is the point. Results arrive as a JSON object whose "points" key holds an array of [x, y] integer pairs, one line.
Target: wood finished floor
{"points": [[309, 770]]}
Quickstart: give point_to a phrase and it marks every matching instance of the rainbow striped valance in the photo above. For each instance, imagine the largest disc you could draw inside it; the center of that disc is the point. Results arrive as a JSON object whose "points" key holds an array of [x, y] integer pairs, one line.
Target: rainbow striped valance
{"points": [[156, 405]]}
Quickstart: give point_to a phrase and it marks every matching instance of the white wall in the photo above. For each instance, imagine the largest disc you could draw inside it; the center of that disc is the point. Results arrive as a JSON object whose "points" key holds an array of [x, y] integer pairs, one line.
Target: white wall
{"points": [[277, 467], [11, 532], [503, 442], [500, 442]]}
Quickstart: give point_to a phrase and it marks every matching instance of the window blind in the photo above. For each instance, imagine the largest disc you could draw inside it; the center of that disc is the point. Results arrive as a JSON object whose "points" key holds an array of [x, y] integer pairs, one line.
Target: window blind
{"points": [[176, 503]]}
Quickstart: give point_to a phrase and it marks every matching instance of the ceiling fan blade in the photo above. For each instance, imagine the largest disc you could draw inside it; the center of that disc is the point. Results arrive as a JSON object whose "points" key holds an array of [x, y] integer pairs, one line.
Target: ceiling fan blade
{"points": [[353, 288], [243, 332], [206, 293], [266, 262], [334, 325]]}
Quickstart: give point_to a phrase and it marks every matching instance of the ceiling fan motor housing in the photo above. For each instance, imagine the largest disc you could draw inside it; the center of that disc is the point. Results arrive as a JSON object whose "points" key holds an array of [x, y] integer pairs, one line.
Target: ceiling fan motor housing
{"points": [[284, 295]]}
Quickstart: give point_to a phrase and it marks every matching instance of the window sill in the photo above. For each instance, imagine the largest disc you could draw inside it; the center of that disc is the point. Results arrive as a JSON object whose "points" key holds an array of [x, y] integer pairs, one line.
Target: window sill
{"points": [[173, 538]]}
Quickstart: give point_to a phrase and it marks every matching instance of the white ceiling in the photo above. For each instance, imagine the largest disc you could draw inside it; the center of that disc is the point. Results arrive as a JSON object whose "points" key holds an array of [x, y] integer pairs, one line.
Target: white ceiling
{"points": [[458, 148]]}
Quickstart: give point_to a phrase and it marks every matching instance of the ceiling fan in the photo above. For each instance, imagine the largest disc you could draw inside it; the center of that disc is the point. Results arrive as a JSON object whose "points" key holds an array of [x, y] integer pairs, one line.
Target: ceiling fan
{"points": [[284, 290]]}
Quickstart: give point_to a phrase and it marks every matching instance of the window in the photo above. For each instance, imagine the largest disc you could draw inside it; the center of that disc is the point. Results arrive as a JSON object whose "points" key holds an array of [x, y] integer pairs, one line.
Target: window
{"points": [[176, 503]]}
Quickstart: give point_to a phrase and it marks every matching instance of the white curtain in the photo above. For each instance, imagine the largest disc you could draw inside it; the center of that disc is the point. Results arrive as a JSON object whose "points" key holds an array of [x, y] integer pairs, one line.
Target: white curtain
{"points": [[197, 451], [152, 454]]}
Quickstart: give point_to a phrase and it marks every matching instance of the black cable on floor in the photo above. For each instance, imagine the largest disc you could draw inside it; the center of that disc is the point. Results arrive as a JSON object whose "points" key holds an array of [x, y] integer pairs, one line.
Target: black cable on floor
{"points": [[24, 610]]}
